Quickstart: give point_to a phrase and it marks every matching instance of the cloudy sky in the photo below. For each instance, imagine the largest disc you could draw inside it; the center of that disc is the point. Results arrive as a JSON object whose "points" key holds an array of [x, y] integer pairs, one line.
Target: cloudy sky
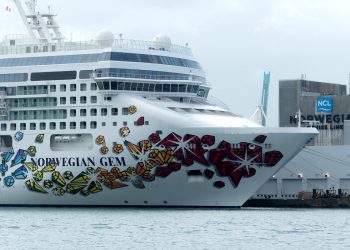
{"points": [[234, 40]]}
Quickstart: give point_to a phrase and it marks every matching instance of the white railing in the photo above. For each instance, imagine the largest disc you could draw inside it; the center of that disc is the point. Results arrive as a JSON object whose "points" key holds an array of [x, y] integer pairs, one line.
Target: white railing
{"points": [[88, 45], [143, 76]]}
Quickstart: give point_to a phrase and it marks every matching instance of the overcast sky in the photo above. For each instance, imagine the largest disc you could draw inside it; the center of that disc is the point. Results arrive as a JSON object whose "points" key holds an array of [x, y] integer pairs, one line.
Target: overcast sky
{"points": [[234, 40]]}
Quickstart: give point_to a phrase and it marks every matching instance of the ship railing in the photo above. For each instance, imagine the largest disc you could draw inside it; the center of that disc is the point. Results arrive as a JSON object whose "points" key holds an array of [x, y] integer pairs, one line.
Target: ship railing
{"points": [[89, 45], [145, 76]]}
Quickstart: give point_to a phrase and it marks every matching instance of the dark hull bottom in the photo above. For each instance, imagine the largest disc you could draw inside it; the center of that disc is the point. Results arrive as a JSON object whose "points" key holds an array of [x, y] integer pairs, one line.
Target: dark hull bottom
{"points": [[125, 206], [296, 203]]}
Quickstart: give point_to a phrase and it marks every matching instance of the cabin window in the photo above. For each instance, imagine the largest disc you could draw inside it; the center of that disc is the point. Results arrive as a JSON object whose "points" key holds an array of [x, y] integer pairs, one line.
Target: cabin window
{"points": [[73, 113], [22, 126], [13, 126], [32, 126], [93, 99], [72, 125], [83, 87], [52, 88], [93, 86], [42, 125], [83, 99], [114, 111], [63, 87], [73, 87], [103, 112], [73, 100], [83, 125], [62, 125], [62, 100], [93, 124], [83, 112]]}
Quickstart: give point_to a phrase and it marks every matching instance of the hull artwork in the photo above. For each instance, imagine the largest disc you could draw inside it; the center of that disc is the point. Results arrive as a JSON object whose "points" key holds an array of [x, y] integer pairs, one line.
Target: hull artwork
{"points": [[174, 169]]}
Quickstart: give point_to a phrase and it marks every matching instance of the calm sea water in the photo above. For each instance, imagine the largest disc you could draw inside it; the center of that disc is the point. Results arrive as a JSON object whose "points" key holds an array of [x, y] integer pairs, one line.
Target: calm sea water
{"points": [[119, 228]]}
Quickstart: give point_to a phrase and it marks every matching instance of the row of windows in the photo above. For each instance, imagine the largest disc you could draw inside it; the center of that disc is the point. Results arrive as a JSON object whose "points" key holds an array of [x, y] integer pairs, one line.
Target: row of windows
{"points": [[148, 87], [140, 74], [73, 100], [107, 56], [52, 125], [36, 115], [32, 102], [86, 74], [43, 89], [61, 114]]}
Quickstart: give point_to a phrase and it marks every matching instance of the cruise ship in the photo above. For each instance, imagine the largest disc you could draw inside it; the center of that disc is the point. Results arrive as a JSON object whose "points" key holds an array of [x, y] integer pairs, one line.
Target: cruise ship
{"points": [[118, 122]]}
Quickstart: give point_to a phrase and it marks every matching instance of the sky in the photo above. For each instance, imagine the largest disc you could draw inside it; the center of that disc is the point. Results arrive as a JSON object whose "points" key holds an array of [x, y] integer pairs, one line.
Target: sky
{"points": [[235, 41]]}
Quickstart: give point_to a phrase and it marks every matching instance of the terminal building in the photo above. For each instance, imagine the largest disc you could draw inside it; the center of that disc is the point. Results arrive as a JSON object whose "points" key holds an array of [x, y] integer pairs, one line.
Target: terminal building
{"points": [[321, 169]]}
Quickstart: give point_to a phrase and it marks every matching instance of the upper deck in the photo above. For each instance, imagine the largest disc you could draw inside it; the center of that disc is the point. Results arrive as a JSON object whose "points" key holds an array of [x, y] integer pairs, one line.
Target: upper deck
{"points": [[10, 46]]}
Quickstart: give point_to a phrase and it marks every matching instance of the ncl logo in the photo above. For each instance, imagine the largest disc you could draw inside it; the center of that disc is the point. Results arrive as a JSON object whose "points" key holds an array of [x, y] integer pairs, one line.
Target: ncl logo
{"points": [[324, 104]]}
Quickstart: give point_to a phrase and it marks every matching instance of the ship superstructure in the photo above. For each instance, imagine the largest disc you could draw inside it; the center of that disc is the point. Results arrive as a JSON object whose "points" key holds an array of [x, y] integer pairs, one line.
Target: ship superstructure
{"points": [[123, 122]]}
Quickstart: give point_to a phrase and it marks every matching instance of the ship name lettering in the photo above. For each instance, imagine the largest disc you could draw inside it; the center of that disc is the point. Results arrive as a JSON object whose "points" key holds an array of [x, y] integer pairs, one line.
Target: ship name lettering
{"points": [[112, 161], [65, 161]]}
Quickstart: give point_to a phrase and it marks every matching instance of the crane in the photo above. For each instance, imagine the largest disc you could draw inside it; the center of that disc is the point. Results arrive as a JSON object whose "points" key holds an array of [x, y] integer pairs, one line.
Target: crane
{"points": [[259, 115]]}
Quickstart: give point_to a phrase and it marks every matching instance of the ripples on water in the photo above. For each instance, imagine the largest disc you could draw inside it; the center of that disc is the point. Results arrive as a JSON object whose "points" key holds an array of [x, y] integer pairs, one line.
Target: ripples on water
{"points": [[117, 228]]}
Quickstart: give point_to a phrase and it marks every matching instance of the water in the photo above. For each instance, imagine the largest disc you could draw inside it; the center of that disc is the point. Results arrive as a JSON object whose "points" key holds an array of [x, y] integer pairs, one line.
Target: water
{"points": [[122, 228]]}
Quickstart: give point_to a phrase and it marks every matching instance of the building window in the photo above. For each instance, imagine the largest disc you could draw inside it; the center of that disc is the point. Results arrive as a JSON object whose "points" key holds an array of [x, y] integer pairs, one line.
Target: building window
{"points": [[114, 124], [103, 124], [13, 126], [93, 86], [3, 126], [52, 88], [33, 126], [62, 100], [125, 124], [83, 99], [103, 112], [62, 125], [52, 125], [73, 113], [83, 87], [73, 87], [93, 124], [93, 112], [72, 125], [73, 100], [83, 112], [93, 99], [108, 98], [63, 88], [114, 111], [42, 125], [22, 126], [83, 125]]}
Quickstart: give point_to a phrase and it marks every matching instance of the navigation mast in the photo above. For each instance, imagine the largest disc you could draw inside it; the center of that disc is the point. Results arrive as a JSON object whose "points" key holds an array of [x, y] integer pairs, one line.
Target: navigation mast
{"points": [[39, 25]]}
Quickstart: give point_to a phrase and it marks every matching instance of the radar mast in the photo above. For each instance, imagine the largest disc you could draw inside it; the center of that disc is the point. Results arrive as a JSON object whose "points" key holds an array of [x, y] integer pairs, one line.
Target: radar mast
{"points": [[39, 24]]}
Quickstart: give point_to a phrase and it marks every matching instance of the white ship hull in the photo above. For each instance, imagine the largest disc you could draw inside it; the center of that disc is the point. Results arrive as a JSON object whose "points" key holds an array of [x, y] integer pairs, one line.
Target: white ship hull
{"points": [[100, 184]]}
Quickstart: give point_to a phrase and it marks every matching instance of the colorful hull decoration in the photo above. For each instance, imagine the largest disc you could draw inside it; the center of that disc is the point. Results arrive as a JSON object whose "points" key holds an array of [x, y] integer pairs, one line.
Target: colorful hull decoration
{"points": [[154, 158]]}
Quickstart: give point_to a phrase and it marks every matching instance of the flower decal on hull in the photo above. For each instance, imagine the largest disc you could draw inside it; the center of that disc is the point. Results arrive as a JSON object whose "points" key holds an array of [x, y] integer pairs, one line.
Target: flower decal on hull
{"points": [[222, 162]]}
